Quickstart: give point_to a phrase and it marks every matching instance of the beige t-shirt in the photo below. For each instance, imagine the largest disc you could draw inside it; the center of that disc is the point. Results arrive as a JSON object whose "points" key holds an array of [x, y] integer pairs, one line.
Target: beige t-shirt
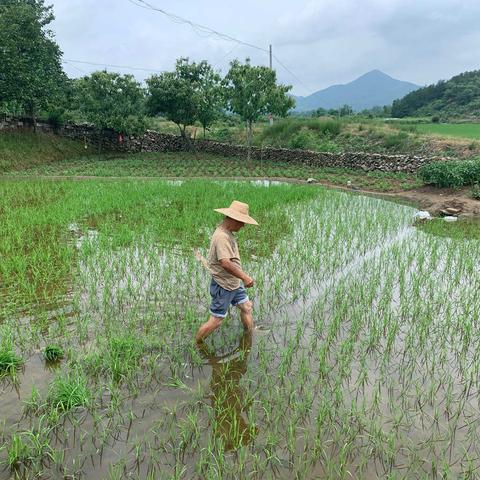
{"points": [[224, 245]]}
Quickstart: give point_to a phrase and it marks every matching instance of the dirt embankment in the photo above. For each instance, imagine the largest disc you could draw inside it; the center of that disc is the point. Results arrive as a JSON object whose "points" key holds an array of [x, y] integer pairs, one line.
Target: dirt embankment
{"points": [[438, 200], [435, 200]]}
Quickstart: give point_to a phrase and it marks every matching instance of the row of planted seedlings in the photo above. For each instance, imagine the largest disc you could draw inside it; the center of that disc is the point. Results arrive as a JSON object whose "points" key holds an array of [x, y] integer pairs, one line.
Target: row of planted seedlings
{"points": [[158, 407]]}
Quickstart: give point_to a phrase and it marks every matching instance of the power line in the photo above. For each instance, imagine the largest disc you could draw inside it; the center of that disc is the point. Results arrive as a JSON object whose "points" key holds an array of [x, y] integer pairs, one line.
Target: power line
{"points": [[74, 66], [289, 71], [200, 29], [204, 31], [67, 60]]}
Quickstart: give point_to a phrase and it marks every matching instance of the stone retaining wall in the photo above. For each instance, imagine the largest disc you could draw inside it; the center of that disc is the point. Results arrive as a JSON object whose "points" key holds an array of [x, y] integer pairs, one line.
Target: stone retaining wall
{"points": [[153, 141]]}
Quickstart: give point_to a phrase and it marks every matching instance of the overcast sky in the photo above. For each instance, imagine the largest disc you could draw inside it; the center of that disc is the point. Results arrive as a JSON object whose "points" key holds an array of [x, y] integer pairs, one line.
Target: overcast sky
{"points": [[323, 42]]}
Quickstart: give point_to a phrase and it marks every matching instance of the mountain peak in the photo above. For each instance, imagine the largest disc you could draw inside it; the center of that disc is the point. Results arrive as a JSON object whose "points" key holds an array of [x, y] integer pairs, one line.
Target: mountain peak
{"points": [[373, 74], [374, 88]]}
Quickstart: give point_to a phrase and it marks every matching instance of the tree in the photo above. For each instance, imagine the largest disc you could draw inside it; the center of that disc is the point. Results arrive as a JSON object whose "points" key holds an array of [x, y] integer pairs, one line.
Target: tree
{"points": [[345, 110], [210, 99], [31, 75], [192, 92], [111, 100], [252, 91]]}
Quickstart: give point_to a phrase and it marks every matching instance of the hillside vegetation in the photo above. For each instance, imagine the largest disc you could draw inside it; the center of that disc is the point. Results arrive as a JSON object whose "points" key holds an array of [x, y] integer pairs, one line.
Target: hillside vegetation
{"points": [[459, 96], [19, 151]]}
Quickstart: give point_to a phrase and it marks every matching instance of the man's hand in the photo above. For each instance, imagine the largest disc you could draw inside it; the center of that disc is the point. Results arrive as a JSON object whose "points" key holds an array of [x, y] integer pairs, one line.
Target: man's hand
{"points": [[230, 267]]}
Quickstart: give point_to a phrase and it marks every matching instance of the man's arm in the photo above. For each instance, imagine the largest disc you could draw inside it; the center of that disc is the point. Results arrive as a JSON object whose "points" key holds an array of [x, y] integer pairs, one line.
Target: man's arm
{"points": [[230, 267]]}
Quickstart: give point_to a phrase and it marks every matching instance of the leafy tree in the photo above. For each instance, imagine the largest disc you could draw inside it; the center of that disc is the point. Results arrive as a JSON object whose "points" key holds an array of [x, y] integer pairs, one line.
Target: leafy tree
{"points": [[319, 112], [252, 91], [111, 100], [211, 98], [191, 93], [31, 75], [345, 111]]}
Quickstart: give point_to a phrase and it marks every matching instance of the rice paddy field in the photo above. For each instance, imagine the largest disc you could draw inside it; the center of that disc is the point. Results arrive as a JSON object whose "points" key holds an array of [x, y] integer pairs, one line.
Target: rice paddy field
{"points": [[365, 360], [462, 130]]}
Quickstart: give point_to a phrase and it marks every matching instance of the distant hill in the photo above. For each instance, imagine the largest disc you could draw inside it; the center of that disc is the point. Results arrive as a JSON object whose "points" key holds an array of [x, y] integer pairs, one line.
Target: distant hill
{"points": [[458, 96], [373, 89]]}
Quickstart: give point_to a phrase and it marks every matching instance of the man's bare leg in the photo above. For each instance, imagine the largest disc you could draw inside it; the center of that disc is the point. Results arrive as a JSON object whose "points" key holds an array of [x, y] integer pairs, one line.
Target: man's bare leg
{"points": [[246, 315], [207, 328]]}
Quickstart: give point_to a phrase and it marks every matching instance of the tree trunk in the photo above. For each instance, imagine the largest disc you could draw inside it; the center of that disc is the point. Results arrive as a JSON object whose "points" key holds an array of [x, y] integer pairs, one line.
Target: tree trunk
{"points": [[249, 140], [100, 141]]}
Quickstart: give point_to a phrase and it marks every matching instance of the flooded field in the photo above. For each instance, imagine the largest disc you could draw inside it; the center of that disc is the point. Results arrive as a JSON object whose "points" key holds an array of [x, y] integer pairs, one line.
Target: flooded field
{"points": [[364, 363]]}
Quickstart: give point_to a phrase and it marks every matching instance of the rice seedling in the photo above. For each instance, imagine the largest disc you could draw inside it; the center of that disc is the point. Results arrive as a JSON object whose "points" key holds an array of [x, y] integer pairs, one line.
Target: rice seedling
{"points": [[364, 364]]}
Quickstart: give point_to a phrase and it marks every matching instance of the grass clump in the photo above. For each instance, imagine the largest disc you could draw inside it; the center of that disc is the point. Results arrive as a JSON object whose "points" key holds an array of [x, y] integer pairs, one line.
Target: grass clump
{"points": [[53, 353], [9, 363], [453, 174], [69, 391]]}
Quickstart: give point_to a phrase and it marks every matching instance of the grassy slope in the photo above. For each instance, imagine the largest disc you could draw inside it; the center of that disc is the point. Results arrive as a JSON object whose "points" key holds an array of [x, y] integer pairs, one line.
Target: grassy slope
{"points": [[19, 151]]}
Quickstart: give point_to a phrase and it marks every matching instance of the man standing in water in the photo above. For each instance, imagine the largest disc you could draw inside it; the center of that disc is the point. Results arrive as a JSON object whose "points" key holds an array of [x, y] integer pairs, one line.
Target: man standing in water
{"points": [[227, 275]]}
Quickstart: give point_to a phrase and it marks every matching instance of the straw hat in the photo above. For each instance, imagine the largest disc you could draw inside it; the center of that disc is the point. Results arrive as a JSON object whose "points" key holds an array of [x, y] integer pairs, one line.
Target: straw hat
{"points": [[237, 211]]}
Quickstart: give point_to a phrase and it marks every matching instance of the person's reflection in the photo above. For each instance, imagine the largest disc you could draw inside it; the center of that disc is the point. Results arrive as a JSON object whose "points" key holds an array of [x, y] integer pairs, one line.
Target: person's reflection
{"points": [[227, 396]]}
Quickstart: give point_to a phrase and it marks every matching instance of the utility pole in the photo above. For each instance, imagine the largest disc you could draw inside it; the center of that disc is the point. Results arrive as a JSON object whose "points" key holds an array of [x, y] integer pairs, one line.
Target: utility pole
{"points": [[270, 116]]}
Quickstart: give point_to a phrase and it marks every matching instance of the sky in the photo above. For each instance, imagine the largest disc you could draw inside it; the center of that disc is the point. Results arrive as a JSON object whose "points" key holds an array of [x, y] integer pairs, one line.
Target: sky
{"points": [[320, 42]]}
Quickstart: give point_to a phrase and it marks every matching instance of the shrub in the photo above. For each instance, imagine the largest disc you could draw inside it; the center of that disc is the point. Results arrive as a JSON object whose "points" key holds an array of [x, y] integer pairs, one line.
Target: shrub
{"points": [[297, 131], [304, 139], [451, 173], [435, 119], [396, 140]]}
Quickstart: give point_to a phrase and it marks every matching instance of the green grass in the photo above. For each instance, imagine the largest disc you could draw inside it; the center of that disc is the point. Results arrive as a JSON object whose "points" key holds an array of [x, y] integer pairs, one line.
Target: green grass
{"points": [[23, 150], [461, 130]]}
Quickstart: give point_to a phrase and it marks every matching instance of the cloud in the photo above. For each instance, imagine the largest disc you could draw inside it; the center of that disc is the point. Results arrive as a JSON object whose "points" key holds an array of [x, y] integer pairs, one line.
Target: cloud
{"points": [[322, 42]]}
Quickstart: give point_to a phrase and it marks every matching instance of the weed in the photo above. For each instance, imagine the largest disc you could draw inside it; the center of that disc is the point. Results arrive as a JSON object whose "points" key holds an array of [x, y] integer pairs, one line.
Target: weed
{"points": [[53, 353]]}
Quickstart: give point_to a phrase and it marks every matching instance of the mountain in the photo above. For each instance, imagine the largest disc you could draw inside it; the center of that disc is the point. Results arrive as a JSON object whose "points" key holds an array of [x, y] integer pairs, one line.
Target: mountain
{"points": [[373, 89], [459, 96]]}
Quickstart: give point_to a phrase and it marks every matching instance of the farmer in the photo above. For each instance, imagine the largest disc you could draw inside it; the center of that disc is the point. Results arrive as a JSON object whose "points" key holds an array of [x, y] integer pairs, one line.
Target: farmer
{"points": [[227, 275]]}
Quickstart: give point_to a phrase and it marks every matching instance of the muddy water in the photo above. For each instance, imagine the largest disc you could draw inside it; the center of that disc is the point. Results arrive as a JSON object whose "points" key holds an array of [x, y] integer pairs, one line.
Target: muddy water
{"points": [[160, 420]]}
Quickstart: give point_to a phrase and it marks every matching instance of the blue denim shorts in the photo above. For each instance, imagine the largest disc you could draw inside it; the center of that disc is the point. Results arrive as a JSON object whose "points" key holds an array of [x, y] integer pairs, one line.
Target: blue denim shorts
{"points": [[222, 299]]}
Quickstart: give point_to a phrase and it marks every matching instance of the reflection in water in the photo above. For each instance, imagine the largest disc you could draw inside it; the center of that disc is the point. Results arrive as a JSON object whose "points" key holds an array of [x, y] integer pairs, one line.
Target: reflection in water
{"points": [[227, 395]]}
